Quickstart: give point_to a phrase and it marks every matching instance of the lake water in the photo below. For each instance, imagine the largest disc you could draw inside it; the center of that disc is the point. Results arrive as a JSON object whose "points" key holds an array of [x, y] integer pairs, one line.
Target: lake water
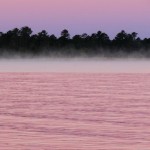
{"points": [[74, 111]]}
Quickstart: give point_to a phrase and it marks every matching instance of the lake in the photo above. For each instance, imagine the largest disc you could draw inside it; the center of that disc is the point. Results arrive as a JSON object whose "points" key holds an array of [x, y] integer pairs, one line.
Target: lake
{"points": [[74, 111]]}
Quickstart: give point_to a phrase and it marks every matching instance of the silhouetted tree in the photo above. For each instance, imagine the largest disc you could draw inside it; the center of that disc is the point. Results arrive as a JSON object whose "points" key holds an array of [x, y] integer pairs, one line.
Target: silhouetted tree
{"points": [[103, 39], [52, 41], [25, 33], [77, 41], [43, 39], [22, 41], [65, 34], [64, 39]]}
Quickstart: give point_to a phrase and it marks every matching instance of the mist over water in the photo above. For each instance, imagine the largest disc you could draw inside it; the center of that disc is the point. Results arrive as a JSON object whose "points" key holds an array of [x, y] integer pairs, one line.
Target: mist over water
{"points": [[76, 65]]}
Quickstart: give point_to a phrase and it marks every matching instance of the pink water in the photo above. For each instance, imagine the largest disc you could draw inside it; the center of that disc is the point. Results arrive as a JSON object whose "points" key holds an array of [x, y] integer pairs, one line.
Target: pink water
{"points": [[56, 111]]}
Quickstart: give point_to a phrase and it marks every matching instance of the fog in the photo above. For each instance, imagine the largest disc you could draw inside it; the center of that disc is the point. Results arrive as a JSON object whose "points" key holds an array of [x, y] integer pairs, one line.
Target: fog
{"points": [[75, 65]]}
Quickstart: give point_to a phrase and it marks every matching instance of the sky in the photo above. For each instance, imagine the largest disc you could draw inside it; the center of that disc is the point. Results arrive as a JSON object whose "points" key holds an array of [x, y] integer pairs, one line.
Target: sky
{"points": [[78, 16]]}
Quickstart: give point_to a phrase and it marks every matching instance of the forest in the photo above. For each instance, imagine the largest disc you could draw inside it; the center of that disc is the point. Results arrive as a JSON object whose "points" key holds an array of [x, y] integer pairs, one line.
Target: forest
{"points": [[23, 42]]}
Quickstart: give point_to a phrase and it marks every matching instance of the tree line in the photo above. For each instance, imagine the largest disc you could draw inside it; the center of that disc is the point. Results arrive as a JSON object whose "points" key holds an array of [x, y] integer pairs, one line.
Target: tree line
{"points": [[23, 41]]}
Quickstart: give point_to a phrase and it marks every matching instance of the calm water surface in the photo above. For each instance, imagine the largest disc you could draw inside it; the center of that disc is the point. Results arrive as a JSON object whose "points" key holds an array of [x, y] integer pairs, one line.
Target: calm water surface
{"points": [[73, 111]]}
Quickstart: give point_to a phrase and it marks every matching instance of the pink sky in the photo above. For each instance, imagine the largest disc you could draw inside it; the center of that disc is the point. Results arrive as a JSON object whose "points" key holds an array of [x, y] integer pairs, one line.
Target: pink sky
{"points": [[78, 16]]}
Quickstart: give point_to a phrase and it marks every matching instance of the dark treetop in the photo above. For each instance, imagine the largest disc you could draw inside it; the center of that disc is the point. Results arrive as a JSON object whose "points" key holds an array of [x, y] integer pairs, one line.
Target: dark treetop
{"points": [[24, 42]]}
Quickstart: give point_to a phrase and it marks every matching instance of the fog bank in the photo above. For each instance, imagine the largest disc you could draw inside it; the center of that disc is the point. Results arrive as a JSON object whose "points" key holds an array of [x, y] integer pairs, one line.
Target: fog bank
{"points": [[76, 65]]}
